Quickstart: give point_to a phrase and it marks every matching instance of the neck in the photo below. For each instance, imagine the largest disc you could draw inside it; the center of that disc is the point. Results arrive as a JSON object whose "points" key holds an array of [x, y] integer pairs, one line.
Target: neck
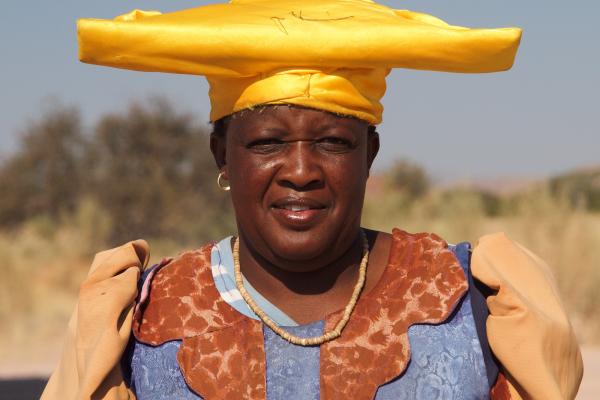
{"points": [[277, 280], [310, 296]]}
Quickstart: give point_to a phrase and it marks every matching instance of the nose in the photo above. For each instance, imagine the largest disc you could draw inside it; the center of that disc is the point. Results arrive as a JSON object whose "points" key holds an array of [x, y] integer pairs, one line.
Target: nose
{"points": [[300, 169]]}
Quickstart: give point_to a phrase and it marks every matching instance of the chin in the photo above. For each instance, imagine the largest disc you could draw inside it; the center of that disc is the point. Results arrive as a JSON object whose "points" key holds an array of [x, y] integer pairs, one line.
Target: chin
{"points": [[296, 248]]}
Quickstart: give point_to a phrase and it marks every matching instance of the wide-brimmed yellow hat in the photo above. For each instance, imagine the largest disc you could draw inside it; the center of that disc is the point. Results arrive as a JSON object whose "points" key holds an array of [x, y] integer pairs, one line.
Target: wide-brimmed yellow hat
{"points": [[332, 55]]}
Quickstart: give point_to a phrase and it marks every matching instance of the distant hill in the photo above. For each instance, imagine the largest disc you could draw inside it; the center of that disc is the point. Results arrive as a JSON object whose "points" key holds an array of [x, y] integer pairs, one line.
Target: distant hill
{"points": [[581, 187], [499, 186]]}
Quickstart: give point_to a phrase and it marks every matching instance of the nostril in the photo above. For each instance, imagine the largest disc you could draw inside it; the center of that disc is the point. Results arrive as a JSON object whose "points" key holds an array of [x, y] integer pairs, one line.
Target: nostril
{"points": [[307, 186], [302, 169]]}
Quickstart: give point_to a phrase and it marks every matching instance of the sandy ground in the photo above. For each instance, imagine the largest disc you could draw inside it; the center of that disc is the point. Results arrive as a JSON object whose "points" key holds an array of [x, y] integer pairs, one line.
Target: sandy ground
{"points": [[26, 385]]}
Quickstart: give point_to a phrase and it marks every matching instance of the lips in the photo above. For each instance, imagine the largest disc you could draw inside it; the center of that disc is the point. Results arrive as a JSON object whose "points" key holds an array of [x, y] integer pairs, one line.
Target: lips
{"points": [[298, 212], [294, 203]]}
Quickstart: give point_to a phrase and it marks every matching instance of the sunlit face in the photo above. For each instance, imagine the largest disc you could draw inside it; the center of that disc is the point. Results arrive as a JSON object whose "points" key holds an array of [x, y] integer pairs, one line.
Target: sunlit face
{"points": [[297, 181]]}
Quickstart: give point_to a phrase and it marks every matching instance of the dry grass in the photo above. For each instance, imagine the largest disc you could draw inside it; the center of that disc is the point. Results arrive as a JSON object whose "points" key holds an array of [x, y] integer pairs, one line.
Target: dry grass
{"points": [[43, 264]]}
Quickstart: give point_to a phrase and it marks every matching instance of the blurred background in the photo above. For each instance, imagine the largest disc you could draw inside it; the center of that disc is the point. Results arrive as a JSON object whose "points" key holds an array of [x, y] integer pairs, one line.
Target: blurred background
{"points": [[92, 157]]}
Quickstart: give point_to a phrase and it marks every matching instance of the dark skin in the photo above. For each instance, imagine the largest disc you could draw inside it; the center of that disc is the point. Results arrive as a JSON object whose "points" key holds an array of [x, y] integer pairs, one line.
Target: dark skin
{"points": [[298, 179]]}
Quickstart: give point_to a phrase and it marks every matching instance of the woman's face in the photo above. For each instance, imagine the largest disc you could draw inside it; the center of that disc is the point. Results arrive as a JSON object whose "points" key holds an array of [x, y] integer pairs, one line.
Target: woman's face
{"points": [[297, 181]]}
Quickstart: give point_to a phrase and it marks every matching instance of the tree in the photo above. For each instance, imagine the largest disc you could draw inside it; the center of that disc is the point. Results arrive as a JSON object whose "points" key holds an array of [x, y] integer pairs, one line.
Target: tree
{"points": [[151, 169], [43, 176], [409, 178]]}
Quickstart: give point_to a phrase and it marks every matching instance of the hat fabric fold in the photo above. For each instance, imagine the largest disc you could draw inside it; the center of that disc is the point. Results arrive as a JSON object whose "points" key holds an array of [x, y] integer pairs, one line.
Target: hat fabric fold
{"points": [[268, 51]]}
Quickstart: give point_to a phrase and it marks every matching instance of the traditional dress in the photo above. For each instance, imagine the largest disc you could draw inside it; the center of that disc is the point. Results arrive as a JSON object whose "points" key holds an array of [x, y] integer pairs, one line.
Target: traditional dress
{"points": [[420, 310], [190, 337], [418, 334]]}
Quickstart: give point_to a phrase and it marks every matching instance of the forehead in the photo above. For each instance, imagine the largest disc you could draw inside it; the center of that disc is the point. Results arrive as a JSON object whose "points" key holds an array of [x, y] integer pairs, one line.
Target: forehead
{"points": [[292, 118]]}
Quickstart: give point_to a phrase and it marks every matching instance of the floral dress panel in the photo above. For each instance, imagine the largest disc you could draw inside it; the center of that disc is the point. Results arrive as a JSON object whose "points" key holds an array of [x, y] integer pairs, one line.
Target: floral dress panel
{"points": [[446, 362]]}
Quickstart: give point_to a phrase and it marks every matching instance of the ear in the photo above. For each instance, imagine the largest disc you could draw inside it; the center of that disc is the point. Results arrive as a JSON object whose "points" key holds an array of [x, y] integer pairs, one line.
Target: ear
{"points": [[218, 149], [372, 146]]}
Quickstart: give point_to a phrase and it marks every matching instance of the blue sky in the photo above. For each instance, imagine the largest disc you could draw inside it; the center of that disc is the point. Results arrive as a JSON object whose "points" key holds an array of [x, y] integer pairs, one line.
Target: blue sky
{"points": [[538, 119]]}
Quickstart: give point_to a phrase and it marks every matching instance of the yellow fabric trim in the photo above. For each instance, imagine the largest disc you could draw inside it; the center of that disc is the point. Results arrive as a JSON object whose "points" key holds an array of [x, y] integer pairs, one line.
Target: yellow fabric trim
{"points": [[528, 329], [239, 44]]}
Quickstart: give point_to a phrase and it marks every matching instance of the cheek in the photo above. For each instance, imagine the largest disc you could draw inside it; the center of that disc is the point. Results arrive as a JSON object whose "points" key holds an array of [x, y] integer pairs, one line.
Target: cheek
{"points": [[347, 178], [250, 177]]}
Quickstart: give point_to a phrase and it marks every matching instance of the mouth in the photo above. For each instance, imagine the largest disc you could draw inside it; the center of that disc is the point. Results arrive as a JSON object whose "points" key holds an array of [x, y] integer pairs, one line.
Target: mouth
{"points": [[292, 203], [298, 211]]}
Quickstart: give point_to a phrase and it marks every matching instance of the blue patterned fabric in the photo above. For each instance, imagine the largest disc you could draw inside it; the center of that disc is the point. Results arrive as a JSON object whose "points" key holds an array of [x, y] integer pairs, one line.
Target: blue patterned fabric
{"points": [[293, 371], [155, 373], [447, 362]]}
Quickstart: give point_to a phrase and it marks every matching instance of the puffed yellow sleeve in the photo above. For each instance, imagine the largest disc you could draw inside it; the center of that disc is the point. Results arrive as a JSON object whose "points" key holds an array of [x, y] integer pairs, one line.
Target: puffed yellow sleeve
{"points": [[528, 329], [99, 328]]}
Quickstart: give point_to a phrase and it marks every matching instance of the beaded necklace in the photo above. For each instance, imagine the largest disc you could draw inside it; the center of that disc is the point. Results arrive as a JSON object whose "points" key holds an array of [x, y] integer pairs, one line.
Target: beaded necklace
{"points": [[312, 341]]}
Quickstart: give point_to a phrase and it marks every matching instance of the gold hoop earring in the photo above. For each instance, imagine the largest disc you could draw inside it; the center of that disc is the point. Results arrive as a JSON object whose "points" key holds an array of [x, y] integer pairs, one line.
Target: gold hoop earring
{"points": [[225, 188]]}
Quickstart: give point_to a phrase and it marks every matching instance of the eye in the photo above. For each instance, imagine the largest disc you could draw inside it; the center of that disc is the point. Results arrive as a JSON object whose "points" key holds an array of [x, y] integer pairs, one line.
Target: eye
{"points": [[265, 146], [335, 144]]}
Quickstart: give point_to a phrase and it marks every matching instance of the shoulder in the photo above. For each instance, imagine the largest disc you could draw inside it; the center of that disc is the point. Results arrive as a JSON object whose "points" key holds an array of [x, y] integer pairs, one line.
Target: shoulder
{"points": [[181, 273], [178, 299], [424, 241], [423, 266], [420, 249], [527, 324], [100, 325], [419, 255], [502, 263]]}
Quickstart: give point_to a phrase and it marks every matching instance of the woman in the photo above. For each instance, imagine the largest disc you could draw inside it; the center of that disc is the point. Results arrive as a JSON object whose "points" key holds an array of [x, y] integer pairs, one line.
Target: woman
{"points": [[304, 303]]}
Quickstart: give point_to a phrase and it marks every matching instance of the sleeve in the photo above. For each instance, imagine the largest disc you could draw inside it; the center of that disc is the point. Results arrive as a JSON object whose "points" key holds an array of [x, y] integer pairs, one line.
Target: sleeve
{"points": [[527, 328], [99, 328]]}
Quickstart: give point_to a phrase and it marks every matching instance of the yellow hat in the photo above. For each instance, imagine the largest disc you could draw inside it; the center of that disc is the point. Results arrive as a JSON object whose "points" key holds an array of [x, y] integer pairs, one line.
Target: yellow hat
{"points": [[332, 55]]}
